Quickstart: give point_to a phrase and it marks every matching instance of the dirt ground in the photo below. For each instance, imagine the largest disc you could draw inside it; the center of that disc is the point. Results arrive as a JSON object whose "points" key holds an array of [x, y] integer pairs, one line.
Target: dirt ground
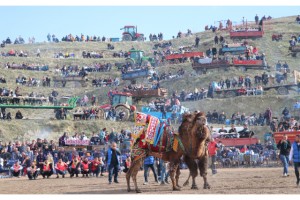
{"points": [[227, 181]]}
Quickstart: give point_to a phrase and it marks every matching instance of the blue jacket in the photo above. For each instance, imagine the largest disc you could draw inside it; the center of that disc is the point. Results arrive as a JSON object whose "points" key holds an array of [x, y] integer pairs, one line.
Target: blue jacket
{"points": [[149, 160], [109, 155], [296, 152]]}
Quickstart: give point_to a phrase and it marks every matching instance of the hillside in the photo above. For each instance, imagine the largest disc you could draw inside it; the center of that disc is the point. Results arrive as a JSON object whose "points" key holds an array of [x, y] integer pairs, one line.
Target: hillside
{"points": [[39, 119]]}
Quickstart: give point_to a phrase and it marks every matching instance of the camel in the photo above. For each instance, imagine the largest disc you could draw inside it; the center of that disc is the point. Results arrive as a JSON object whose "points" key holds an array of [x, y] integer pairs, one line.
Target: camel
{"points": [[198, 158], [192, 136]]}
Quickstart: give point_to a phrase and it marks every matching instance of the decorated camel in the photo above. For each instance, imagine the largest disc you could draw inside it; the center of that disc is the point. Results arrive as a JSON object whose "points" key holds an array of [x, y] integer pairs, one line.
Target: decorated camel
{"points": [[190, 142]]}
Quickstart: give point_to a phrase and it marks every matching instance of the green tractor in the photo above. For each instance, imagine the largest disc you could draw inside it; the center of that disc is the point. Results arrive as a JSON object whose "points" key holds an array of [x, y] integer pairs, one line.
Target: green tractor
{"points": [[137, 58]]}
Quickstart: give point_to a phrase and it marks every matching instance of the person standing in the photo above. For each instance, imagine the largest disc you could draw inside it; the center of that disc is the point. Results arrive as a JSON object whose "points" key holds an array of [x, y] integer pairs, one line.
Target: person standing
{"points": [[113, 162], [284, 146], [212, 151], [294, 157], [149, 163], [197, 40]]}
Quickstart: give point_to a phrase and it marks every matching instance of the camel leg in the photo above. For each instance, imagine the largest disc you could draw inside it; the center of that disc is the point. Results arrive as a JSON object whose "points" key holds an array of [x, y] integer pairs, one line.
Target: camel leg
{"points": [[137, 167], [192, 165], [187, 182], [132, 172], [203, 171], [177, 176], [173, 169]]}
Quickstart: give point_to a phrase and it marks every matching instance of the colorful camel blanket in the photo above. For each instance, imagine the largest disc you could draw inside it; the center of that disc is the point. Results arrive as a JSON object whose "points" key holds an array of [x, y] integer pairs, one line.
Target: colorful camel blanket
{"points": [[152, 134]]}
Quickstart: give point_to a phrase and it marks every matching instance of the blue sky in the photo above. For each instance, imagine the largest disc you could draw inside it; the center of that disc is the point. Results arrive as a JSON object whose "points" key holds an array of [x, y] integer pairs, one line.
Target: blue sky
{"points": [[38, 21]]}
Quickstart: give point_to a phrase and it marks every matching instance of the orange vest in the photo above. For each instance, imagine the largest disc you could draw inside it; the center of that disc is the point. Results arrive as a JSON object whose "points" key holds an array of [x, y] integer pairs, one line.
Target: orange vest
{"points": [[61, 167], [46, 167], [94, 163], [85, 166], [74, 165], [16, 168]]}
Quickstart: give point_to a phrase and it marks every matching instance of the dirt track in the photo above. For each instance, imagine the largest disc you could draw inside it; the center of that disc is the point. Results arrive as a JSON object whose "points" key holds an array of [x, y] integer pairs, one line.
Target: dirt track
{"points": [[227, 181]]}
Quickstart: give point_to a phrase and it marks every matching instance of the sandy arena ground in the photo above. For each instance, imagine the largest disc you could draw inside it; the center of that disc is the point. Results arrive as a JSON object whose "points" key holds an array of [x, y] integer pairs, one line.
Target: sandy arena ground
{"points": [[227, 181]]}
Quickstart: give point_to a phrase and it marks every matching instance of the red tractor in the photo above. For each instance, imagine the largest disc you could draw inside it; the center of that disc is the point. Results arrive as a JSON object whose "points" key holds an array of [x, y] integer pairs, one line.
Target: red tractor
{"points": [[130, 34]]}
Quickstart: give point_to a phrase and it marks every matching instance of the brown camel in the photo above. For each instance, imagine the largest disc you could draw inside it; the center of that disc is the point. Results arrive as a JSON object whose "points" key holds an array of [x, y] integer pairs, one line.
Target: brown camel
{"points": [[192, 136], [198, 158]]}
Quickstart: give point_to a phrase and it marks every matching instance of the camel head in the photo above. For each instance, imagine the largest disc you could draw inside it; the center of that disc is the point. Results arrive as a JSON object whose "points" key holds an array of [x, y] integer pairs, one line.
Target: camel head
{"points": [[200, 119]]}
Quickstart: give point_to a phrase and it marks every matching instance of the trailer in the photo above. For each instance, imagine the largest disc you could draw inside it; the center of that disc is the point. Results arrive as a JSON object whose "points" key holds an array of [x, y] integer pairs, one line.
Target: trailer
{"points": [[131, 75], [148, 93], [202, 65], [182, 57], [244, 65], [233, 92], [64, 80], [250, 30], [233, 142], [290, 134], [235, 50]]}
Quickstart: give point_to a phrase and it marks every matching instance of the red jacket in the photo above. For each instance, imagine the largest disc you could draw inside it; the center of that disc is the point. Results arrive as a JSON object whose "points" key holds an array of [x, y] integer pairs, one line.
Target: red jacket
{"points": [[212, 148]]}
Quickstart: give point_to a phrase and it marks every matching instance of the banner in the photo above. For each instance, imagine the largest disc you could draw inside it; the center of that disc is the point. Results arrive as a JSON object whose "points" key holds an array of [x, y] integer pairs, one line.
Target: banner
{"points": [[140, 119], [152, 129], [72, 142]]}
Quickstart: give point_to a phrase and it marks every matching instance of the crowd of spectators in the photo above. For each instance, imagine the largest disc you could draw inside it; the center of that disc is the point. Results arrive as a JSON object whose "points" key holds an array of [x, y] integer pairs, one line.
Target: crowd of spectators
{"points": [[103, 82], [83, 38], [27, 66], [15, 53], [237, 118], [154, 37], [45, 158]]}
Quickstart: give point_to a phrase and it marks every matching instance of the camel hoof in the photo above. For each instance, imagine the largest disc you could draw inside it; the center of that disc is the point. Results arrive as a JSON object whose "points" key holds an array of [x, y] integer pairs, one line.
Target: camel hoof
{"points": [[138, 191], [176, 188], [186, 184], [194, 187], [206, 186]]}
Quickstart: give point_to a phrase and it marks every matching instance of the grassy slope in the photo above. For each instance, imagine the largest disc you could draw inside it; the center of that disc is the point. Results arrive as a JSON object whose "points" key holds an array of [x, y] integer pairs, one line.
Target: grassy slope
{"points": [[274, 51]]}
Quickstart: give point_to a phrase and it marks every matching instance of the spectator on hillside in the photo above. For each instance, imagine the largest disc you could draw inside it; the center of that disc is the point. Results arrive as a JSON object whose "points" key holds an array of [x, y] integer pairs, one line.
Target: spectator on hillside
{"points": [[197, 40], [298, 19], [19, 115], [216, 40], [268, 116], [256, 18]]}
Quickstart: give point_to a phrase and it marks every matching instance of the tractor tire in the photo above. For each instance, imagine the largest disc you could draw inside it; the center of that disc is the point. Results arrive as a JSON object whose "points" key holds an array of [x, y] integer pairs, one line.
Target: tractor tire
{"points": [[140, 39], [100, 114], [127, 37], [282, 91], [126, 111], [130, 61]]}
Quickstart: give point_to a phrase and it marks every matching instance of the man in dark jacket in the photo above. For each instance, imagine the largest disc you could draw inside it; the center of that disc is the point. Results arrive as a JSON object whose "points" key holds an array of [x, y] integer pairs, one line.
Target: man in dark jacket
{"points": [[284, 146], [113, 162]]}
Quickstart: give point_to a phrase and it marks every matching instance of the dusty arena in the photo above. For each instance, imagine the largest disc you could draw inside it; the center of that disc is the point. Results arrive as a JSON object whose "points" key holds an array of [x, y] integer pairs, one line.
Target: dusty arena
{"points": [[227, 181]]}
